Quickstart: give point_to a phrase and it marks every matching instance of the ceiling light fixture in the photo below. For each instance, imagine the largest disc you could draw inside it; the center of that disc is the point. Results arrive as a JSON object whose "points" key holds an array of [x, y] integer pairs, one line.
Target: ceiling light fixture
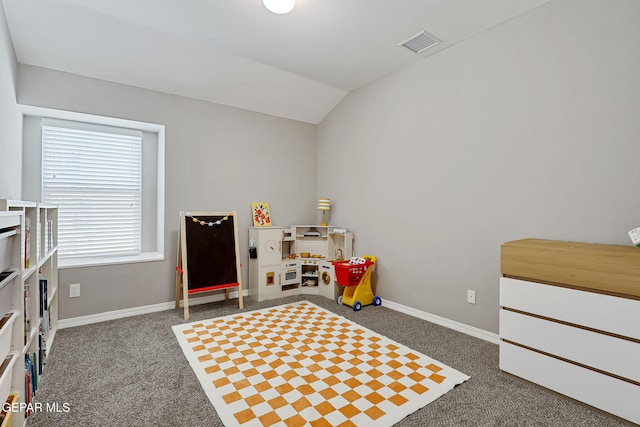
{"points": [[279, 7]]}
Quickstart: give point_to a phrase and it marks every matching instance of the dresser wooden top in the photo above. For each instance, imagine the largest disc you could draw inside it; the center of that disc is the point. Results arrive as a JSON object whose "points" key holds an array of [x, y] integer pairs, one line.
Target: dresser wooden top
{"points": [[608, 269]]}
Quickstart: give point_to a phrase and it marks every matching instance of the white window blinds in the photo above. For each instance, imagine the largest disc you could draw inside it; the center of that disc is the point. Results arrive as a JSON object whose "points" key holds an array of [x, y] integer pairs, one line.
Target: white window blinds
{"points": [[95, 179]]}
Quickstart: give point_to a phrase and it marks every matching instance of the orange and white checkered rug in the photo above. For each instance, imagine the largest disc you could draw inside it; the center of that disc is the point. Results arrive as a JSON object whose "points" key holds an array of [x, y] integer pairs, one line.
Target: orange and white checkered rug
{"points": [[301, 365]]}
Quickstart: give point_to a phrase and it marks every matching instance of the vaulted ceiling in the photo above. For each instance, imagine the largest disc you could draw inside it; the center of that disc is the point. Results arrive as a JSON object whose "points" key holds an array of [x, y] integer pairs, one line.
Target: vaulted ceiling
{"points": [[235, 52]]}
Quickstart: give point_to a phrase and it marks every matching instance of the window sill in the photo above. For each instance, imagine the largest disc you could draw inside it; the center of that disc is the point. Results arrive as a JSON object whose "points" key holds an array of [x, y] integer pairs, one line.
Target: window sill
{"points": [[94, 262]]}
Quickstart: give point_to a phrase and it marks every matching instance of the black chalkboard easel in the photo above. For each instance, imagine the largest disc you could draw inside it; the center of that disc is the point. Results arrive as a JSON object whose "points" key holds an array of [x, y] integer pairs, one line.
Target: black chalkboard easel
{"points": [[208, 255]]}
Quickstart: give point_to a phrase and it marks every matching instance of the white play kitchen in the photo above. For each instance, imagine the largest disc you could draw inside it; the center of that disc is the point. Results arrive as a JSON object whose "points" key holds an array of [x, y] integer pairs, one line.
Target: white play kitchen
{"points": [[296, 260]]}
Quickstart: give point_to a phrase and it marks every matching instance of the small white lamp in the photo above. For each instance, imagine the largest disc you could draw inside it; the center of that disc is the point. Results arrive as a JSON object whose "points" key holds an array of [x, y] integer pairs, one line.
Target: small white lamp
{"points": [[279, 7], [324, 205]]}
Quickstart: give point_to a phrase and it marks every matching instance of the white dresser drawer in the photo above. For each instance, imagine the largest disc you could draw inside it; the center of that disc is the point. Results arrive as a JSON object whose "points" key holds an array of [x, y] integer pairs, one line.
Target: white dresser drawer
{"points": [[602, 391], [609, 354], [616, 315]]}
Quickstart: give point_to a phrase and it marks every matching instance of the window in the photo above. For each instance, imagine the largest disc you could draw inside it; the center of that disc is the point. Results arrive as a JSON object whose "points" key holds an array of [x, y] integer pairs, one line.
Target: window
{"points": [[88, 163], [95, 179]]}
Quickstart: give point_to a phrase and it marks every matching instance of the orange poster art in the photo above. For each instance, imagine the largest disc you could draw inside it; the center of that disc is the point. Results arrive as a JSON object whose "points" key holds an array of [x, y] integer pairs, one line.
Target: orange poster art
{"points": [[261, 214]]}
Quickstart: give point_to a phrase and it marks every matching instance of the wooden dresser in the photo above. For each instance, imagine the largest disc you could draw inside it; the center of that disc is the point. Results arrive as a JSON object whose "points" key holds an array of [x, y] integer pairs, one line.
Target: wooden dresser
{"points": [[570, 320]]}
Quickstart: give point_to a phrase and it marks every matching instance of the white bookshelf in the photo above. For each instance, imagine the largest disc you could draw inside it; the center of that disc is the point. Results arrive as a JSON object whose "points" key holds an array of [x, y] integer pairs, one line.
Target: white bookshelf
{"points": [[33, 261]]}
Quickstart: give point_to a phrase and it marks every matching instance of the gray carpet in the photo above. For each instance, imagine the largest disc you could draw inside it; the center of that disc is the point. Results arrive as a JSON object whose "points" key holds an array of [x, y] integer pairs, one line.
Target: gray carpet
{"points": [[132, 372]]}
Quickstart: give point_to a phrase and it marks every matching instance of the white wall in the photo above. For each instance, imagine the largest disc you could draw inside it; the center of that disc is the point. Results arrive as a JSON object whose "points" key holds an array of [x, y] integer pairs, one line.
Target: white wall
{"points": [[527, 130], [218, 158], [530, 129], [10, 119]]}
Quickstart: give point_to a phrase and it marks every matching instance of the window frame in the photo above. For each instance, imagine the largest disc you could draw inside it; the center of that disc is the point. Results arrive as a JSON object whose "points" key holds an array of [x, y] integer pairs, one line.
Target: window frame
{"points": [[153, 246]]}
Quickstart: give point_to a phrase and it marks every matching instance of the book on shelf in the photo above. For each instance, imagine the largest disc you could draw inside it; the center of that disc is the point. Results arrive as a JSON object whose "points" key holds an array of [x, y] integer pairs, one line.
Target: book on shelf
{"points": [[31, 378], [43, 337], [27, 241], [43, 297], [27, 312], [33, 356], [45, 325], [42, 353], [27, 383]]}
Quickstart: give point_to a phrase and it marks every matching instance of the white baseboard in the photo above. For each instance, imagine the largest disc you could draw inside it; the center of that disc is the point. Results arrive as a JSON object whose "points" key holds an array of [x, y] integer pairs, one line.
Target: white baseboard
{"points": [[442, 321], [117, 314]]}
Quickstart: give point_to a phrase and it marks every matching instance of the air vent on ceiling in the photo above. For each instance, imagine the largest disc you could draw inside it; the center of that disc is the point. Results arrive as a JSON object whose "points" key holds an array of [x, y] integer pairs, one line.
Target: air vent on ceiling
{"points": [[420, 42]]}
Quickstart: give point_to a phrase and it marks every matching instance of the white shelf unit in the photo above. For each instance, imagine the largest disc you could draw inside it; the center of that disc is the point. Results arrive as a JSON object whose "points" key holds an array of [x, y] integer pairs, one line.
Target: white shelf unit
{"points": [[33, 262], [11, 305]]}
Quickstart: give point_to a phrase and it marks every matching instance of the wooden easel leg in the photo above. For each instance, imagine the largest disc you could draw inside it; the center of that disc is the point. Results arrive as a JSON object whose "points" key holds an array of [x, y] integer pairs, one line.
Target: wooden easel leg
{"points": [[179, 270], [182, 264], [179, 285], [185, 301], [240, 304], [226, 294]]}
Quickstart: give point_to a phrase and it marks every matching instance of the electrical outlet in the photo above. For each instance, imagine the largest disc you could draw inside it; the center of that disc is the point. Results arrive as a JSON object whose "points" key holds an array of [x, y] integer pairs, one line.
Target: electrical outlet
{"points": [[74, 290], [471, 296]]}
